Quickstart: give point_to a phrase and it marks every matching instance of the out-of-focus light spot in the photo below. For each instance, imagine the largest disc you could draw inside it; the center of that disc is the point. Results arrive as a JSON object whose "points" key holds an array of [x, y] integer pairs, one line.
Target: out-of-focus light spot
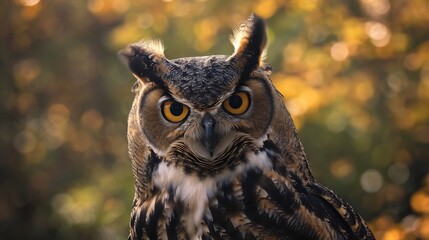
{"points": [[420, 202], [306, 5], [341, 168], [25, 142], [31, 11], [29, 3], [266, 8], [113, 209], [378, 33], [25, 101], [115, 137], [395, 83], [412, 61], [353, 33], [167, 0], [371, 181], [205, 33], [145, 20], [317, 33], [424, 228], [403, 155], [394, 233], [410, 223], [314, 77], [57, 118], [95, 6], [58, 114], [293, 53], [123, 35], [376, 7], [421, 134], [361, 121], [53, 138], [181, 8], [80, 141], [315, 59], [398, 173], [107, 10], [79, 206], [405, 119], [25, 71], [92, 119], [383, 222], [301, 97], [336, 122], [161, 23], [399, 42], [363, 90], [423, 89], [120, 6], [376, 30], [339, 51]]}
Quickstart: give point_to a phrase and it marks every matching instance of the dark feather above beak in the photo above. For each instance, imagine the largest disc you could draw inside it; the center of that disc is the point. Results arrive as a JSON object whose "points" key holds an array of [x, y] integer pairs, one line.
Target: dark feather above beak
{"points": [[210, 137]]}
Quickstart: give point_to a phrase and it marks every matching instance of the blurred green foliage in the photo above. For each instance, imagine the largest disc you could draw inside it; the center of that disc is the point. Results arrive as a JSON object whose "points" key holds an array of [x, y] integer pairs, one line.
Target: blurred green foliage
{"points": [[355, 75]]}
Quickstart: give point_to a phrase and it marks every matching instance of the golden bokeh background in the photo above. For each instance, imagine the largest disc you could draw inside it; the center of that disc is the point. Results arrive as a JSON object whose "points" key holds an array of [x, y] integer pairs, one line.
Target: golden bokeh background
{"points": [[355, 75]]}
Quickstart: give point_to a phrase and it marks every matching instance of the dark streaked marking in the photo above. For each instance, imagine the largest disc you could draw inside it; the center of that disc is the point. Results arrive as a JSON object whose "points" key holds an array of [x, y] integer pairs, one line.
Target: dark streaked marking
{"points": [[270, 145], [297, 183], [153, 162], [206, 237], [284, 197], [152, 225], [249, 236], [249, 187], [256, 215], [226, 199], [272, 150], [324, 211], [139, 224], [214, 234], [350, 218], [172, 224], [289, 225], [220, 219]]}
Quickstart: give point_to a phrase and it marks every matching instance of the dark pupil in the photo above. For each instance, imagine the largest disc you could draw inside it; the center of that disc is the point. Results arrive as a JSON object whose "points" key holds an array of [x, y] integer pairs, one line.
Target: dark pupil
{"points": [[235, 101], [176, 109]]}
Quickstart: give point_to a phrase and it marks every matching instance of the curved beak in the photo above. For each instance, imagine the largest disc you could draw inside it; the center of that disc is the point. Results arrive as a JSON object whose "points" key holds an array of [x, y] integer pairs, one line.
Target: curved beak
{"points": [[210, 138]]}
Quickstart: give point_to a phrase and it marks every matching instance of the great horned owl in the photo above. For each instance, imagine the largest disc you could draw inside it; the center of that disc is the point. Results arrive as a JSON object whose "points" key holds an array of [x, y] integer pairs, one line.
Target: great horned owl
{"points": [[215, 153]]}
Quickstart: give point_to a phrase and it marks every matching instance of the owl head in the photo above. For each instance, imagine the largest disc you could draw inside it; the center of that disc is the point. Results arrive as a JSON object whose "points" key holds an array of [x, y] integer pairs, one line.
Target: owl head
{"points": [[202, 114]]}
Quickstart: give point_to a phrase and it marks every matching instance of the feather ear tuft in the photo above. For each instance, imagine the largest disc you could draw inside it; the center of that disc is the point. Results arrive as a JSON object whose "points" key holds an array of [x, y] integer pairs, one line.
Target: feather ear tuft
{"points": [[249, 41], [146, 60]]}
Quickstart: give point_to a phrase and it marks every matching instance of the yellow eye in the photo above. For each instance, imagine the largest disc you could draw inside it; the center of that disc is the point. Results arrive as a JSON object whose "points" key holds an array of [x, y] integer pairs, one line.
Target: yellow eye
{"points": [[174, 111], [238, 103]]}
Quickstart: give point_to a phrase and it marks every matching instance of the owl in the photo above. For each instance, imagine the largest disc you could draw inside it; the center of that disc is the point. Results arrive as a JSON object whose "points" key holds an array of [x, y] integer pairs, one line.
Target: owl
{"points": [[215, 153]]}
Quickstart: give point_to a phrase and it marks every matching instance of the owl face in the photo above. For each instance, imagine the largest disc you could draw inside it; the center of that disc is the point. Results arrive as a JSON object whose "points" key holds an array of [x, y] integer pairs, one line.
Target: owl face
{"points": [[203, 113]]}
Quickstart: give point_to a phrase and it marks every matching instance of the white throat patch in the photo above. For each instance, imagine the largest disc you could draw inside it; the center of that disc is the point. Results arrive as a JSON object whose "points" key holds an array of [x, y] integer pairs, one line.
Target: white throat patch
{"points": [[195, 192]]}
